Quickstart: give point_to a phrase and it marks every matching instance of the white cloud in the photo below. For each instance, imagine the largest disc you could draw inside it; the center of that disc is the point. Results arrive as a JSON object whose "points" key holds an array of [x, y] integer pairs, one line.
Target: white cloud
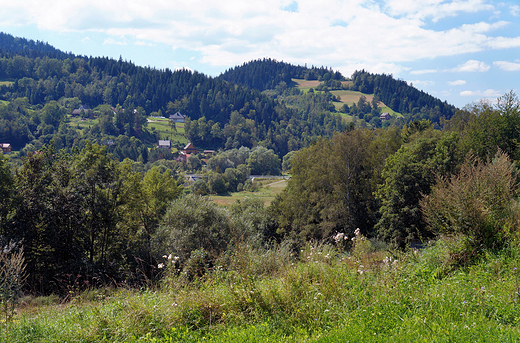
{"points": [[421, 83], [490, 93], [424, 71], [457, 83], [515, 9], [111, 41], [434, 9], [472, 66], [508, 66], [141, 43], [330, 32]]}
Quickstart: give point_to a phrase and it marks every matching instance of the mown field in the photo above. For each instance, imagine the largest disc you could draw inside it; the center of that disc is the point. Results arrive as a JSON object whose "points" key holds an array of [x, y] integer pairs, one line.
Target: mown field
{"points": [[346, 96], [165, 130], [268, 190]]}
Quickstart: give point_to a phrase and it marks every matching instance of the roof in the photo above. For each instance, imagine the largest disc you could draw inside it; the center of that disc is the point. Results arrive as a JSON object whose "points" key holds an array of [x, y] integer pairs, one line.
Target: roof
{"points": [[177, 115], [164, 143], [5, 145], [189, 146], [385, 115]]}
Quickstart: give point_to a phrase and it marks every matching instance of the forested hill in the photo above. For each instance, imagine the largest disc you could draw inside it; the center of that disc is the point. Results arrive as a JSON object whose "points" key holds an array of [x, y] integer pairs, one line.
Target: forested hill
{"points": [[30, 48], [401, 97], [223, 115], [267, 73], [263, 74]]}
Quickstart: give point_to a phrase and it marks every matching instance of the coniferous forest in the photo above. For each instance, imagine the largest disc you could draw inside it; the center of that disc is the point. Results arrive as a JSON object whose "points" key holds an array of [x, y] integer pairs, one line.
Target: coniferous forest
{"points": [[382, 215]]}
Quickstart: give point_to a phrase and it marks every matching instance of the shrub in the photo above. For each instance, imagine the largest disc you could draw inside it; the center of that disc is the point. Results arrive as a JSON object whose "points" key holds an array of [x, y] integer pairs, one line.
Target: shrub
{"points": [[477, 203], [12, 276], [191, 223]]}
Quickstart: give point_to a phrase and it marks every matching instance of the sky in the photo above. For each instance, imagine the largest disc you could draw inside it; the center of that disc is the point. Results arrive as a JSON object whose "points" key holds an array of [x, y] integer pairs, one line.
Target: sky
{"points": [[460, 51]]}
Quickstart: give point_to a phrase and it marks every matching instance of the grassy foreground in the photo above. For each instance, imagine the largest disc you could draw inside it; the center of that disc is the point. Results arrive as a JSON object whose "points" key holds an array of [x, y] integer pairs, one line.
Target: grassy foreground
{"points": [[256, 295]]}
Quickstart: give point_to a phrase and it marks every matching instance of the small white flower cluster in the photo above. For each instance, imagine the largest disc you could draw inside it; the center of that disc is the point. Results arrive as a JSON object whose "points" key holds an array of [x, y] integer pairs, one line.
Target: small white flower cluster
{"points": [[340, 237], [172, 259], [388, 261], [358, 235]]}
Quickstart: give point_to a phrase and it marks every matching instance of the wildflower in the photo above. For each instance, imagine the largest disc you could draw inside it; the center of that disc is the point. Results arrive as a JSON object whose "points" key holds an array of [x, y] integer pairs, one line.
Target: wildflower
{"points": [[160, 265], [164, 256], [339, 237], [169, 257]]}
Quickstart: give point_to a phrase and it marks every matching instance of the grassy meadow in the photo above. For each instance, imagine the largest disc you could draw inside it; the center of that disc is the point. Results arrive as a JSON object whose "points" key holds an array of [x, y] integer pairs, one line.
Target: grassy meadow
{"points": [[162, 126], [267, 191], [81, 123], [322, 293], [346, 96]]}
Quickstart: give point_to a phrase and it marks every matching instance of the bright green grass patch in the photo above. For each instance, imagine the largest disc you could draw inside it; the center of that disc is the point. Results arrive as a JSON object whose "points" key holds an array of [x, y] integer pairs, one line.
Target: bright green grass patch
{"points": [[165, 130], [269, 189], [6, 83], [82, 123], [389, 110]]}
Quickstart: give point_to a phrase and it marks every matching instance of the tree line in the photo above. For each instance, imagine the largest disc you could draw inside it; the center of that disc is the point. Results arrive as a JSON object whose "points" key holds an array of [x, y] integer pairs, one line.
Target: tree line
{"points": [[84, 213]]}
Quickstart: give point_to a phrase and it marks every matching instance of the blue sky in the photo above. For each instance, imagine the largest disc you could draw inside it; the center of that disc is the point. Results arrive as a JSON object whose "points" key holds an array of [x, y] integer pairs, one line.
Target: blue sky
{"points": [[458, 50]]}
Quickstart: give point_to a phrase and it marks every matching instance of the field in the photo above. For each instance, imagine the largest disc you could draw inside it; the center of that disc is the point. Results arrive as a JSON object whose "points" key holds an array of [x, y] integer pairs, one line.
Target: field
{"points": [[6, 83], [269, 189], [162, 126], [81, 123], [322, 294], [346, 96]]}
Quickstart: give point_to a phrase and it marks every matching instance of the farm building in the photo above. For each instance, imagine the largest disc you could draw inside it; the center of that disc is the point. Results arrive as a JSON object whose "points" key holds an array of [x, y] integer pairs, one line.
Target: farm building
{"points": [[164, 145], [6, 148], [177, 117]]}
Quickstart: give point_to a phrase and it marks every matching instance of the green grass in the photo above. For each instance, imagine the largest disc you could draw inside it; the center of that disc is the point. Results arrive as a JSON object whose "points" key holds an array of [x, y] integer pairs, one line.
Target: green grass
{"points": [[81, 123], [323, 296], [268, 190], [346, 96], [6, 83], [162, 126]]}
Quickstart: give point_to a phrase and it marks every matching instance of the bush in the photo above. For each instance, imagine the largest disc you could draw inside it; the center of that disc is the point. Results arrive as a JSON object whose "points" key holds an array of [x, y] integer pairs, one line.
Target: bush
{"points": [[12, 276], [192, 223], [477, 203]]}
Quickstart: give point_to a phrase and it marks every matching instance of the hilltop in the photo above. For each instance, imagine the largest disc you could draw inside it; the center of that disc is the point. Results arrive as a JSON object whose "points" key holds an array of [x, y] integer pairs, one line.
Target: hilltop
{"points": [[248, 105]]}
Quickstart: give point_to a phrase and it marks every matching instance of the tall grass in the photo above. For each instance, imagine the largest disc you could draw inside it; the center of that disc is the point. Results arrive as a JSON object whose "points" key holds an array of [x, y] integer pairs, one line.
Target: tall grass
{"points": [[317, 294]]}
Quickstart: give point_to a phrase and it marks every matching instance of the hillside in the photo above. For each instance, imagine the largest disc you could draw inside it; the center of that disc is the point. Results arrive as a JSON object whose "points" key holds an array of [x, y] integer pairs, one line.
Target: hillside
{"points": [[247, 105], [221, 114]]}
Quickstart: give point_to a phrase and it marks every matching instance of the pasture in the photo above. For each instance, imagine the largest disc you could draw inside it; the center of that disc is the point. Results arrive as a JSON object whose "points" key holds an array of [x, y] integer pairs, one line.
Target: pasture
{"points": [[267, 191], [166, 131]]}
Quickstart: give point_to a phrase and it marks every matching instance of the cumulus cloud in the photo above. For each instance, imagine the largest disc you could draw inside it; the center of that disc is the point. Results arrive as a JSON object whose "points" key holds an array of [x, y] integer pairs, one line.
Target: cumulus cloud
{"points": [[457, 83], [111, 41], [507, 66], [329, 32], [421, 83], [515, 9], [489, 93], [472, 66], [424, 71]]}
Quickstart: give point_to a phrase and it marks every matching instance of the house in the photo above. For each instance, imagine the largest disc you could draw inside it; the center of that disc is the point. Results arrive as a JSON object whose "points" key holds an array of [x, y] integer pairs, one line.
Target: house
{"points": [[177, 117], [164, 145], [209, 153], [385, 116], [6, 148], [183, 157], [85, 108], [190, 149]]}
